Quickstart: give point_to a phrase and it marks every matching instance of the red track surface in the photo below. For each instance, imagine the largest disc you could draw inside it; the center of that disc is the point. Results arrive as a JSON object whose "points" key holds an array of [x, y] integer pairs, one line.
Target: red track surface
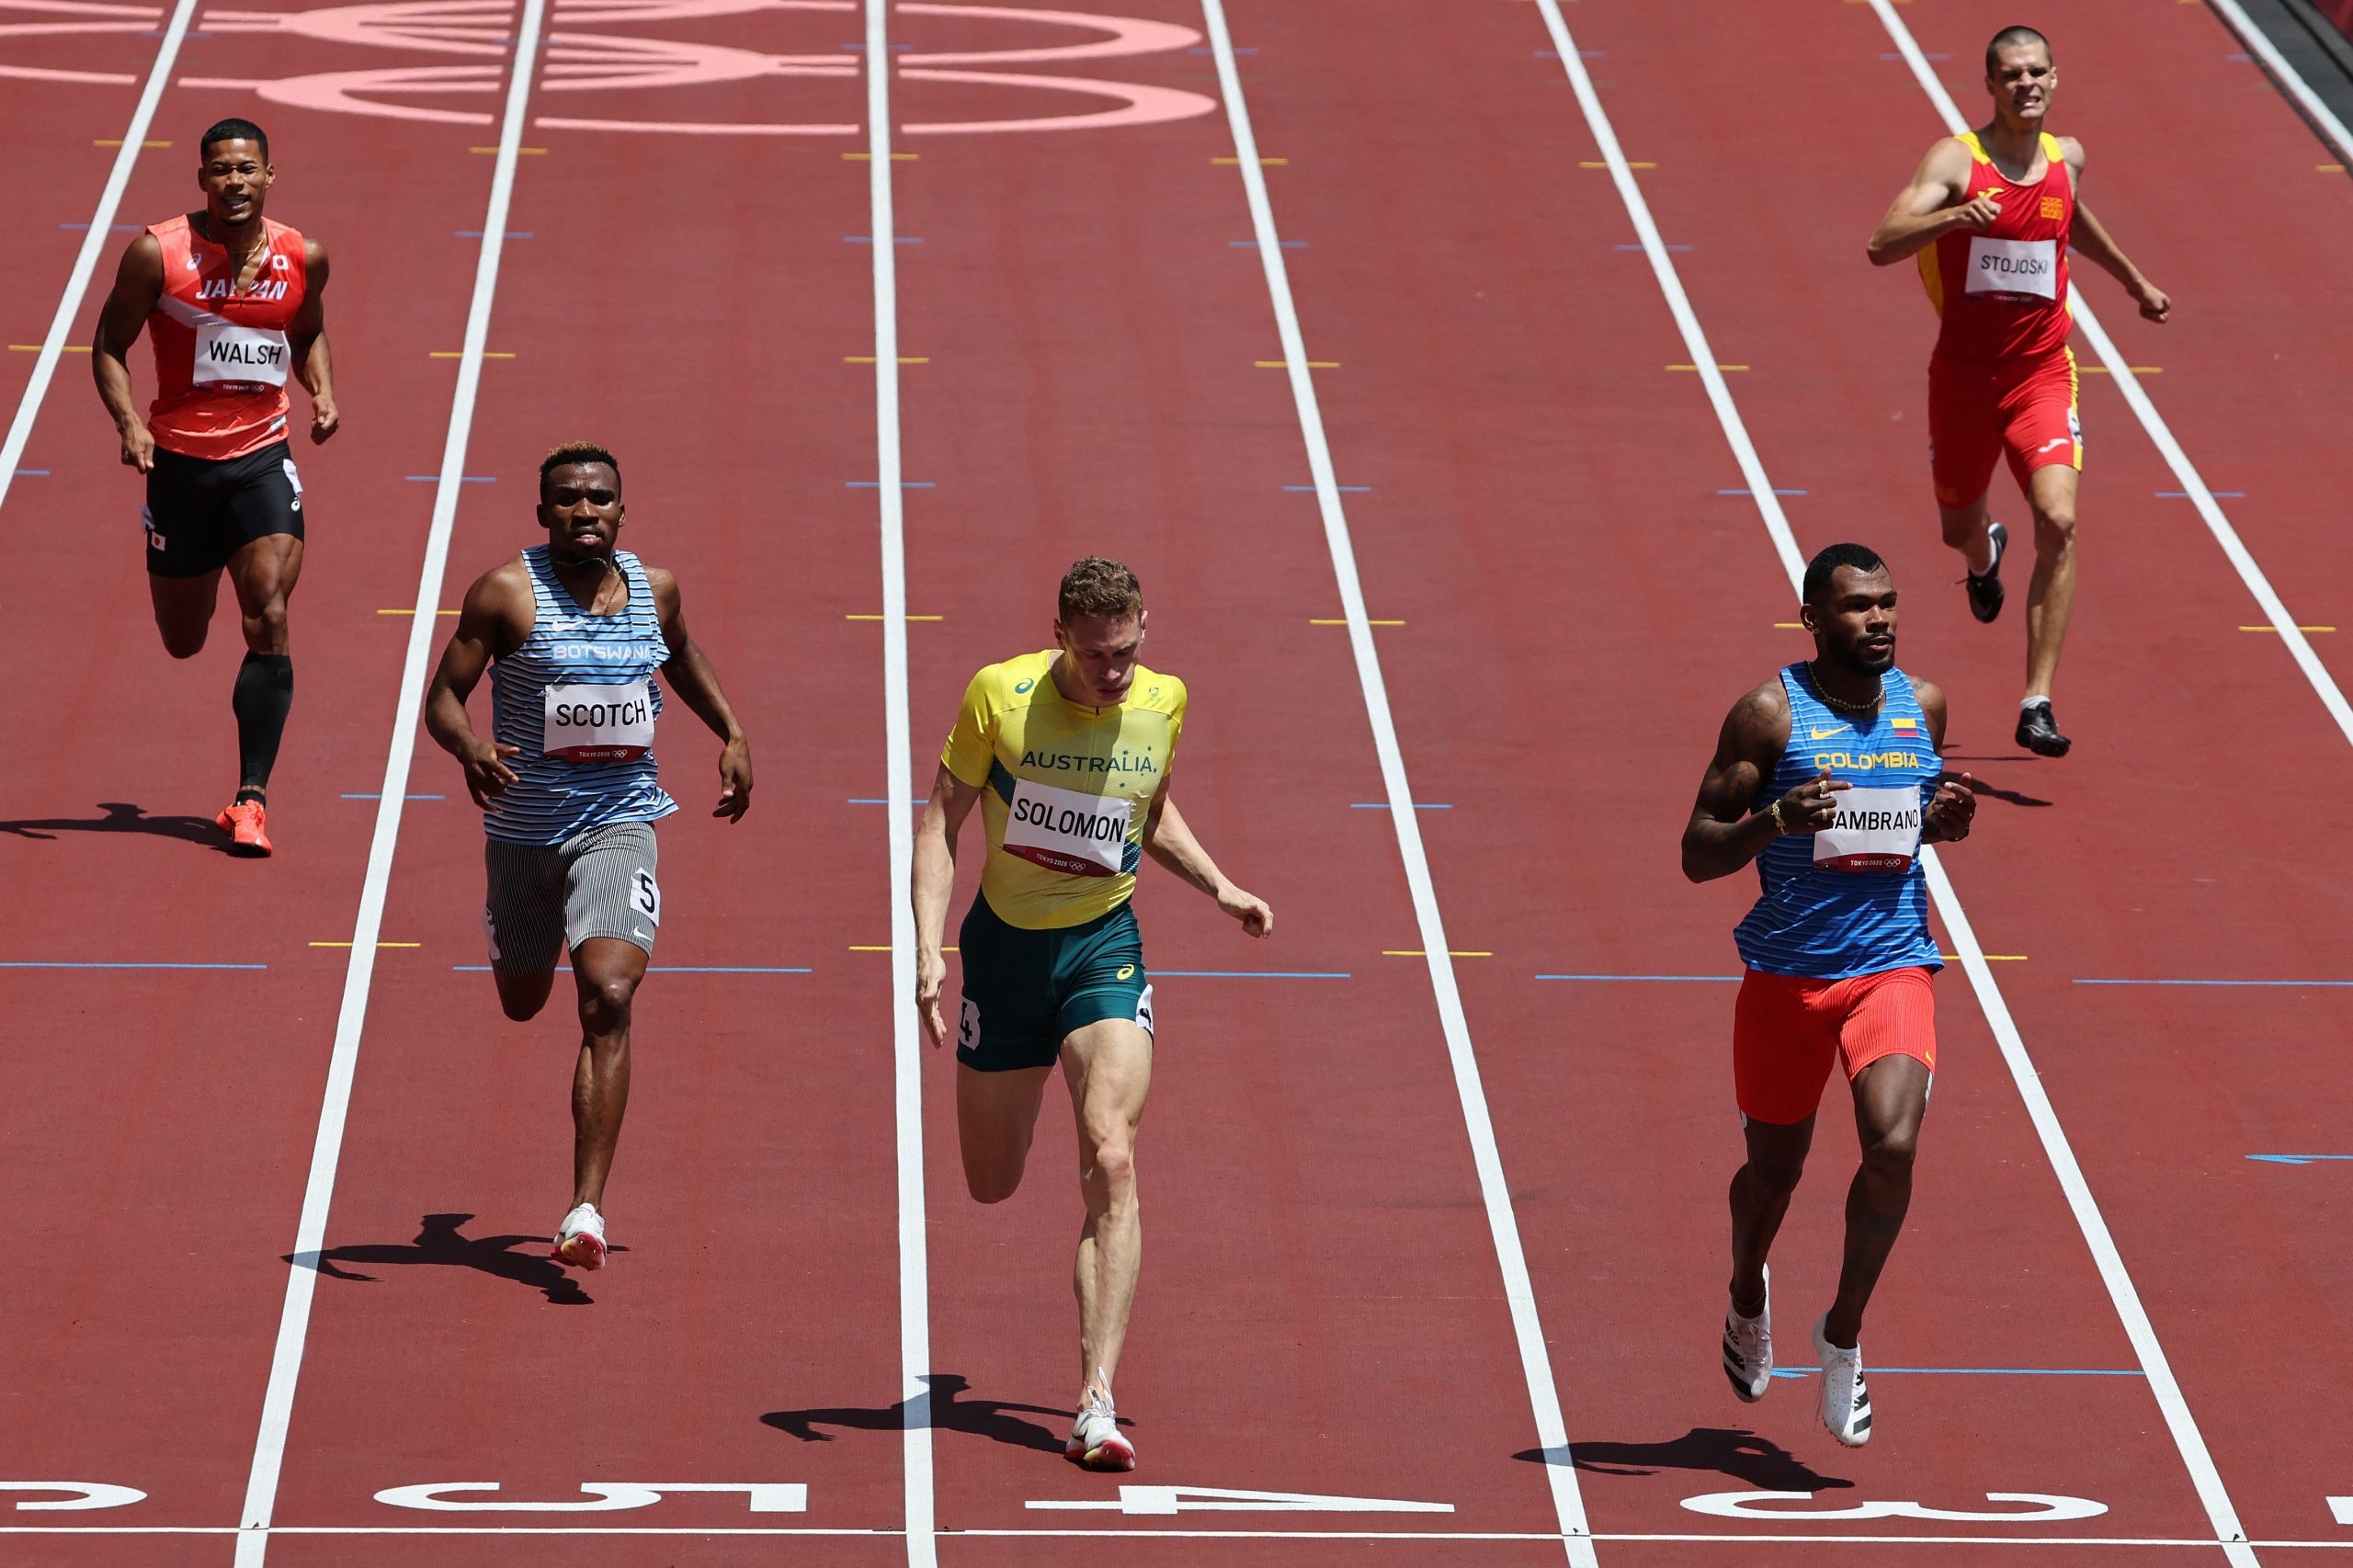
{"points": [[1322, 1310]]}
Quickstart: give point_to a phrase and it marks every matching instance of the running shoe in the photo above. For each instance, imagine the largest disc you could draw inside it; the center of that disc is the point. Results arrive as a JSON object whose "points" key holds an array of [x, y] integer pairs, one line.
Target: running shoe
{"points": [[1986, 587], [1845, 1402], [2038, 732], [247, 830], [580, 1239], [1096, 1441], [1749, 1348]]}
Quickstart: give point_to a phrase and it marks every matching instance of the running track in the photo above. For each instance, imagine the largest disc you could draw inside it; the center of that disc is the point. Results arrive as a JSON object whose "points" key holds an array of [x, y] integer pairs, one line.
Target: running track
{"points": [[1537, 501]]}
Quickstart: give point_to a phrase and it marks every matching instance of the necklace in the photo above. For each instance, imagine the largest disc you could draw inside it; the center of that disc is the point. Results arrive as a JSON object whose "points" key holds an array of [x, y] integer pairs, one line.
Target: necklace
{"points": [[237, 264], [1860, 709]]}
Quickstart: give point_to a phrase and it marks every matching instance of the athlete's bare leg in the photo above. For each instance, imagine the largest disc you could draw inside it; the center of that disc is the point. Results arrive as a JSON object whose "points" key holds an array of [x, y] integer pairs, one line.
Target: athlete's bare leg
{"points": [[1108, 1068], [184, 610], [995, 1114], [264, 571], [1891, 1098], [522, 996], [1965, 529], [2050, 490], [607, 971], [1760, 1197]]}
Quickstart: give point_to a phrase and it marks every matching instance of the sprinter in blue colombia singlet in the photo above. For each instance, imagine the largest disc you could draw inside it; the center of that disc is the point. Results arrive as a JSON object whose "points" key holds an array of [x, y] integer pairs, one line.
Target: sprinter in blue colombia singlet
{"points": [[1828, 777], [574, 633]]}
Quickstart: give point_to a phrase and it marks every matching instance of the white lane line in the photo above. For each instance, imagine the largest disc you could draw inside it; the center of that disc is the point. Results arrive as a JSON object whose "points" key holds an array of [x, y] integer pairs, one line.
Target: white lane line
{"points": [[2062, 1155], [2275, 612], [302, 1275], [906, 1043], [1743, 1538], [93, 244], [2277, 64], [1534, 1359]]}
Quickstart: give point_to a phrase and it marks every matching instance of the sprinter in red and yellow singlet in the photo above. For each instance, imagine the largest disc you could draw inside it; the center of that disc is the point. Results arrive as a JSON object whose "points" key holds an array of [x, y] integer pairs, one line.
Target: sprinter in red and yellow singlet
{"points": [[1990, 215], [234, 304]]}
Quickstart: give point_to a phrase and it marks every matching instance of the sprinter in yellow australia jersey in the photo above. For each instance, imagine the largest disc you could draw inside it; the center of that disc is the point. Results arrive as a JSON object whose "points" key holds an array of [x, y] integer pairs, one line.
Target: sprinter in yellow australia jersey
{"points": [[1068, 753]]}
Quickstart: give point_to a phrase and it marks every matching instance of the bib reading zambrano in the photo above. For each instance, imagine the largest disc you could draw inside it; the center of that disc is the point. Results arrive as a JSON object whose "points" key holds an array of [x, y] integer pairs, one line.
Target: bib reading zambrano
{"points": [[2026, 269], [597, 724], [1085, 835], [1875, 830]]}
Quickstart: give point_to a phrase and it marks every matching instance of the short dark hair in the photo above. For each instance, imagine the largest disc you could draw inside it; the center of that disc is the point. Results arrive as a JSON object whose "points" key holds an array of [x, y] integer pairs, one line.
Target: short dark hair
{"points": [[2008, 35], [1095, 585], [233, 129], [576, 452], [1824, 566]]}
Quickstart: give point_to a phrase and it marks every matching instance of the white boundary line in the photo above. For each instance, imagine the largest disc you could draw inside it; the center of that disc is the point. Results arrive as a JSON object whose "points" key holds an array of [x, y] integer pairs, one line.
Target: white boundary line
{"points": [[318, 1194], [2228, 1533], [1534, 1359], [1725, 1537], [2277, 64], [93, 244], [2301, 650], [906, 1045]]}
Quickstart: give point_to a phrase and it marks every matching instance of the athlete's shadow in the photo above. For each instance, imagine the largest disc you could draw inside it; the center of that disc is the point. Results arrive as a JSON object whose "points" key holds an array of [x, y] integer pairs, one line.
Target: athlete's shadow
{"points": [[993, 1419], [1724, 1450], [122, 816], [1978, 785], [437, 1242]]}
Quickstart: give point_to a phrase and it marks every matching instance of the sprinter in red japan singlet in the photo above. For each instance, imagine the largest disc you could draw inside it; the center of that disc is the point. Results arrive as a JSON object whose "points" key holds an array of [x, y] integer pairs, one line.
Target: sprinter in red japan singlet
{"points": [[233, 302], [1990, 214]]}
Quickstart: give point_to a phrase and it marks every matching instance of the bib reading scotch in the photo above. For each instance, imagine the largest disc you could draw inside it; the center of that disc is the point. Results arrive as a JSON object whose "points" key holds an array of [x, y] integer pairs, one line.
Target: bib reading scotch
{"points": [[597, 724]]}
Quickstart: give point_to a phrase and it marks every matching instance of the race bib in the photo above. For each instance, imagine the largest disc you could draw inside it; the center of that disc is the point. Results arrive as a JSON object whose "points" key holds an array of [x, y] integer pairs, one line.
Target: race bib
{"points": [[597, 724], [227, 352], [2021, 267], [1063, 830], [1875, 830]]}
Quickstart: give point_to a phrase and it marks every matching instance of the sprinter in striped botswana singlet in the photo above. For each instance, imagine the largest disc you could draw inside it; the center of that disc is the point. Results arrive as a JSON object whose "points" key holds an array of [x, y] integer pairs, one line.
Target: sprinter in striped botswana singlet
{"points": [[574, 633], [1828, 777]]}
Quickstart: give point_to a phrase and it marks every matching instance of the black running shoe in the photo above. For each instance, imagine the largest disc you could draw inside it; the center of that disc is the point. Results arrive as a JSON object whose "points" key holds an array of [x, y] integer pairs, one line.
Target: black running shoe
{"points": [[2038, 732], [1985, 588]]}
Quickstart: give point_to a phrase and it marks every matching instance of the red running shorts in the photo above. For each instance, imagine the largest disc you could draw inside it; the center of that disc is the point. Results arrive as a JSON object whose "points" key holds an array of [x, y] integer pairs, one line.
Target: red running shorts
{"points": [[2020, 409], [1786, 1029]]}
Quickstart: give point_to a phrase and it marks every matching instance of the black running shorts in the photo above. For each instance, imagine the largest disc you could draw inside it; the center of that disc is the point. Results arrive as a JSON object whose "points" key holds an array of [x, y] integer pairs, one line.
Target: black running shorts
{"points": [[201, 511]]}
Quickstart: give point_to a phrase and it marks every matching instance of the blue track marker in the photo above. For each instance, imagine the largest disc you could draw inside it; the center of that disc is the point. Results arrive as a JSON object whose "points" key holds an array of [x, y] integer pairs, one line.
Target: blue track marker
{"points": [[1383, 805], [1343, 489], [878, 800], [477, 233], [664, 969], [1252, 245], [877, 485], [1977, 1372], [462, 479], [32, 473], [2297, 1159], [1247, 974], [868, 239], [2217, 494], [24, 964], [1624, 246], [1708, 979], [1777, 491], [404, 797], [2329, 984]]}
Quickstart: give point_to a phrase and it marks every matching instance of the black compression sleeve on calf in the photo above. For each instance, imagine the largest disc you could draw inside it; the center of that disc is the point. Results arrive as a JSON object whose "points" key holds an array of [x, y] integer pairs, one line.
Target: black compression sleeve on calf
{"points": [[265, 692]]}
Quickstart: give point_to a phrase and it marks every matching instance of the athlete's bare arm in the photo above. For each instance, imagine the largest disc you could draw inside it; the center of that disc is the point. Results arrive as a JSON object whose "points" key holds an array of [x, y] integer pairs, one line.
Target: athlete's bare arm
{"points": [[138, 286], [307, 338], [1953, 807], [697, 685], [935, 882], [2090, 238], [495, 620], [1170, 842], [1723, 835], [1931, 206]]}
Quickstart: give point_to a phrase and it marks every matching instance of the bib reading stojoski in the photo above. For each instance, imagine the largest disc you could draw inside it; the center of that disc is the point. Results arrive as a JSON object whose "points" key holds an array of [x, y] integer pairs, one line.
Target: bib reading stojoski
{"points": [[1851, 899], [1064, 787], [578, 700]]}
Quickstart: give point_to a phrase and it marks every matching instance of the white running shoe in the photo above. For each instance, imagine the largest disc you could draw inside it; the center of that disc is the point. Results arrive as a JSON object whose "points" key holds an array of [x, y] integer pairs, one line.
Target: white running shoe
{"points": [[1749, 1348], [1096, 1440], [1845, 1402], [580, 1239]]}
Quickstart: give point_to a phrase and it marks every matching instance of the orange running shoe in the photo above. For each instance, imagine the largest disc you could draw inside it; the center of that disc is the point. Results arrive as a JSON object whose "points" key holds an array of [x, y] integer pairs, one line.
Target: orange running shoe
{"points": [[246, 828]]}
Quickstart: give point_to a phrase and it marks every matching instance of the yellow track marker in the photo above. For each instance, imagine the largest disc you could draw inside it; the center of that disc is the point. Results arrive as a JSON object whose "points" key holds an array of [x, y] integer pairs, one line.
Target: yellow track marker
{"points": [[886, 948], [2136, 370], [35, 348], [460, 354], [1990, 957], [379, 944], [879, 618], [1695, 368], [1285, 364], [869, 359], [868, 157], [1630, 162], [1343, 622], [2329, 168], [412, 613], [2275, 628], [1237, 163], [1788, 626], [117, 142], [526, 152], [1418, 953]]}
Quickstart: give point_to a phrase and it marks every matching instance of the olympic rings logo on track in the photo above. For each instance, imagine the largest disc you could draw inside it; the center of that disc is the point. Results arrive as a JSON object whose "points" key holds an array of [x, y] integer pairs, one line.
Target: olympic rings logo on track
{"points": [[580, 59]]}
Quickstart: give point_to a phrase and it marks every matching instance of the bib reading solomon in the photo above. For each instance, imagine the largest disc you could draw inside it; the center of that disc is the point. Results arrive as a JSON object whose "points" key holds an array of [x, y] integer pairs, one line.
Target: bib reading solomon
{"points": [[1064, 787], [1851, 899]]}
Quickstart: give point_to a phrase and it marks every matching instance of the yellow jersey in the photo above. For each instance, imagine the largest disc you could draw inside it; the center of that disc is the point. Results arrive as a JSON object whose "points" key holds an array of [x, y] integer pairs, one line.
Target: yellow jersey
{"points": [[1065, 788]]}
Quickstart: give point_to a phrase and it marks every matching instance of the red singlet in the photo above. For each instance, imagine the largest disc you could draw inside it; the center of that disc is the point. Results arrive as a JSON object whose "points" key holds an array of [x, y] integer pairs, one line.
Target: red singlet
{"points": [[222, 358], [2002, 294]]}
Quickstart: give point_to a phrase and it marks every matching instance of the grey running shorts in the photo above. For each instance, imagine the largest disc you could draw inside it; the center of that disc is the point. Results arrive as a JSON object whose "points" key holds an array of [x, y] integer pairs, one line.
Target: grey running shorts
{"points": [[596, 883]]}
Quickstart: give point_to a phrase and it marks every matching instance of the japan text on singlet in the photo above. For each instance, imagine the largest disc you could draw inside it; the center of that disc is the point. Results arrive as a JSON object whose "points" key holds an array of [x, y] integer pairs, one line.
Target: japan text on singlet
{"points": [[2002, 294], [577, 701], [1064, 787], [222, 358], [1852, 899]]}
